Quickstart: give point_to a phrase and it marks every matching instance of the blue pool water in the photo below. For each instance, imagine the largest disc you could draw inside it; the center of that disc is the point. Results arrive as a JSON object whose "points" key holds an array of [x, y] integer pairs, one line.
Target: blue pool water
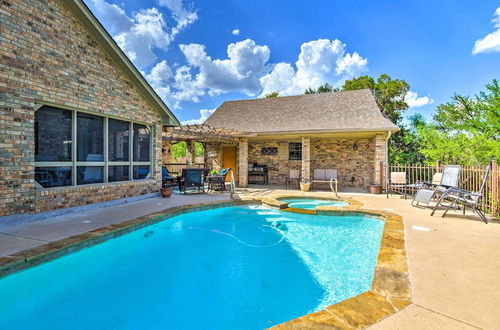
{"points": [[311, 203], [229, 268]]}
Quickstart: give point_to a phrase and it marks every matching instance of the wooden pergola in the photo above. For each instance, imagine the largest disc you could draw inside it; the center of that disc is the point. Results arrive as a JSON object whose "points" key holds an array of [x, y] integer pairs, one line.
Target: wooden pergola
{"points": [[202, 133]]}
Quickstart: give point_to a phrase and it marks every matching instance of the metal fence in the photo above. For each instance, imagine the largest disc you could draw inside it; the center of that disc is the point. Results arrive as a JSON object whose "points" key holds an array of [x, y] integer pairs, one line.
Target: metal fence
{"points": [[471, 178]]}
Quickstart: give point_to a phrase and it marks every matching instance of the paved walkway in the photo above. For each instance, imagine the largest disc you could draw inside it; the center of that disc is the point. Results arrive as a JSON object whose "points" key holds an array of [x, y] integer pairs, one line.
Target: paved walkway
{"points": [[454, 262], [27, 235]]}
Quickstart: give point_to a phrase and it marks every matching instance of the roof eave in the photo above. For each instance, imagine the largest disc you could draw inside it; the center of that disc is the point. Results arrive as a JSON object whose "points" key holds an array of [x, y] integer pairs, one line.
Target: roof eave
{"points": [[83, 13], [322, 131]]}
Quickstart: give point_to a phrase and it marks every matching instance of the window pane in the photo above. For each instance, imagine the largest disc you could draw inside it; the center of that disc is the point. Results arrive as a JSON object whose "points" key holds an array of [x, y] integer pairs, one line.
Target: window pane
{"points": [[141, 143], [118, 132], [118, 173], [90, 138], [141, 171], [295, 151], [49, 177], [89, 174], [52, 135]]}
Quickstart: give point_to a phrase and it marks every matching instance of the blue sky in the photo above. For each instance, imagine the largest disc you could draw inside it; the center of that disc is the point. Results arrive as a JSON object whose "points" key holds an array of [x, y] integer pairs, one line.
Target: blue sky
{"points": [[198, 54]]}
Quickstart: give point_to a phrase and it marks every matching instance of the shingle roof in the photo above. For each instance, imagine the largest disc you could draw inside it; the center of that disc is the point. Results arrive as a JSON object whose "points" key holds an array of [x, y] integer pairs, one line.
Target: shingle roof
{"points": [[345, 111]]}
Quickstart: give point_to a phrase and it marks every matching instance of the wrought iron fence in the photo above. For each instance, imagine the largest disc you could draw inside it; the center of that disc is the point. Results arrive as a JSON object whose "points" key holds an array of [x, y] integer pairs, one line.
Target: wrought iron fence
{"points": [[471, 178]]}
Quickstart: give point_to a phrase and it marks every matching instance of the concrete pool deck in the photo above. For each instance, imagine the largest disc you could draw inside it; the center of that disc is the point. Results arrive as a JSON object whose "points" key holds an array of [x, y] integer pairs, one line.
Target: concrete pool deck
{"points": [[454, 267]]}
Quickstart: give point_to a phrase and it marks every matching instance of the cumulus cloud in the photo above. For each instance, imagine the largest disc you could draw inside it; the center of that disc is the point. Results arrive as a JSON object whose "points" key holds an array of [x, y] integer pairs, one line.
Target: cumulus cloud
{"points": [[246, 70], [115, 17], [491, 42], [146, 30], [414, 101], [240, 71], [236, 32], [204, 114], [319, 61]]}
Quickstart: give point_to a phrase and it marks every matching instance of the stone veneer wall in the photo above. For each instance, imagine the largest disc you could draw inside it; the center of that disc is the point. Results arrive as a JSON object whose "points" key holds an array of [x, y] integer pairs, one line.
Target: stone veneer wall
{"points": [[354, 162], [278, 169], [47, 55], [349, 156]]}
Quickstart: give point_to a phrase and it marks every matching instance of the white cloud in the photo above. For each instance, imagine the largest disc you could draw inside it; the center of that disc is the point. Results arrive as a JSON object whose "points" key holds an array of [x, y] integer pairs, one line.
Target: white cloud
{"points": [[414, 101], [319, 61], [240, 72], [246, 70], [146, 30], [236, 32], [204, 114], [115, 17], [491, 42]]}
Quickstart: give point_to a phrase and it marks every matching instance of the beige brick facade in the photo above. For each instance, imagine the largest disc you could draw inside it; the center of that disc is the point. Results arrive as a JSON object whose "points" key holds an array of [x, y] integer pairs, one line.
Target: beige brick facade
{"points": [[357, 160], [48, 56]]}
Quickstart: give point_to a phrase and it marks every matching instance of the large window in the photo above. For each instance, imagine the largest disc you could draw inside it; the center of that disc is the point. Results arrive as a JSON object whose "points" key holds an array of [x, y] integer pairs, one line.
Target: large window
{"points": [[295, 151], [77, 148]]}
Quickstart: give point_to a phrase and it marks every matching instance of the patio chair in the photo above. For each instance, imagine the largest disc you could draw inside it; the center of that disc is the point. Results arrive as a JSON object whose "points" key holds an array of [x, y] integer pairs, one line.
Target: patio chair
{"points": [[166, 177], [293, 176], [191, 178], [396, 182], [218, 181], [326, 176], [465, 198], [429, 190]]}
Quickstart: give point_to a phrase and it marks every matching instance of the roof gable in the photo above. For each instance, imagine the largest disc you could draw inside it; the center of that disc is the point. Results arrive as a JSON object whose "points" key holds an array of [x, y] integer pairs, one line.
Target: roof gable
{"points": [[85, 16], [346, 111]]}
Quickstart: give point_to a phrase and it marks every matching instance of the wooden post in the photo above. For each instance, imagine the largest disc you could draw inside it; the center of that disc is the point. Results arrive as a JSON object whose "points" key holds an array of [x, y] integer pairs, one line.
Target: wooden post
{"points": [[495, 198], [438, 165], [190, 153]]}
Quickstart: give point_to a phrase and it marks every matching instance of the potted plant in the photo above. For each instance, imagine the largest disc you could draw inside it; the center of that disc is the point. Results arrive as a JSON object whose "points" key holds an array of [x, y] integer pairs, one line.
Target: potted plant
{"points": [[305, 185], [375, 188], [213, 172], [166, 189]]}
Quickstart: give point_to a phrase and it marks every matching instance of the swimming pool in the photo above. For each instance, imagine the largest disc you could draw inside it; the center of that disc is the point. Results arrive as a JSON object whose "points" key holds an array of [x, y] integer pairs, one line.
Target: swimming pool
{"points": [[311, 203], [243, 267]]}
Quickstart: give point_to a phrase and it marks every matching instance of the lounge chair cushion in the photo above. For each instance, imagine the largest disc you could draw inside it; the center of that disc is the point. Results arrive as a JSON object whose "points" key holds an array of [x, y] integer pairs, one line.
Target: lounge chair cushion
{"points": [[319, 174]]}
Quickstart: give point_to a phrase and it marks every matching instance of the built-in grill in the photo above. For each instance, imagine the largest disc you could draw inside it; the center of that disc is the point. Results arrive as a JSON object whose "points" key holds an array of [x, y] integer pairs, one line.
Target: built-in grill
{"points": [[258, 174]]}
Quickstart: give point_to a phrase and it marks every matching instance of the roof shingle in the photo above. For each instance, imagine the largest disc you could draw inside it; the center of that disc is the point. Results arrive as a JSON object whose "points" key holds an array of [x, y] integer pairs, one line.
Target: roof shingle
{"points": [[345, 111]]}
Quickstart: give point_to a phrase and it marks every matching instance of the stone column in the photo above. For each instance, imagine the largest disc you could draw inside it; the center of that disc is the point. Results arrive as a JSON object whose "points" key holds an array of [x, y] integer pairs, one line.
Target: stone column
{"points": [[243, 163], [189, 153], [306, 158], [380, 145]]}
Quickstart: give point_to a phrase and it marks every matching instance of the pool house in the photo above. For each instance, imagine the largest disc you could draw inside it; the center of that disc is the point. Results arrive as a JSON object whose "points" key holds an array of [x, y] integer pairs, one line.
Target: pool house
{"points": [[342, 131]]}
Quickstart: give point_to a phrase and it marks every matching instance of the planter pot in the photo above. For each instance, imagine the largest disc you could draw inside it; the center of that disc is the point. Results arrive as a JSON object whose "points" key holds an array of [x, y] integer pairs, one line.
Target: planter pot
{"points": [[375, 189], [305, 186], [166, 192]]}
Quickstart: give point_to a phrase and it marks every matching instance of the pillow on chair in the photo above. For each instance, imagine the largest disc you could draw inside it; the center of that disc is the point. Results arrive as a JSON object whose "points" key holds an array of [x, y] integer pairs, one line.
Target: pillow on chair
{"points": [[223, 171]]}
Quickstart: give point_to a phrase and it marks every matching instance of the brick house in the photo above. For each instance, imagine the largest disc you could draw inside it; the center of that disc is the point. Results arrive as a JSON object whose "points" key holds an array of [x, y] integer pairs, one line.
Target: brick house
{"points": [[78, 122], [343, 130]]}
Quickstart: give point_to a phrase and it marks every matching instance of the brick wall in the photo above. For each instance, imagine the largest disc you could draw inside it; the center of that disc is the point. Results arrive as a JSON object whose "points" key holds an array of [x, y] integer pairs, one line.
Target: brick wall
{"points": [[47, 55], [354, 162], [350, 157], [278, 168]]}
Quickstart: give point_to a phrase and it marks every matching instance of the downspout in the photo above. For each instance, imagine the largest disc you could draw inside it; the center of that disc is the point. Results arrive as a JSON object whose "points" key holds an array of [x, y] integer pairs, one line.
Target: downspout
{"points": [[389, 133]]}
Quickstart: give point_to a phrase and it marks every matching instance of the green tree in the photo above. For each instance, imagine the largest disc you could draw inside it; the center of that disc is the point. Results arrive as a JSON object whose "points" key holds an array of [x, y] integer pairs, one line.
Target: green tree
{"points": [[271, 95], [406, 143], [465, 130], [389, 93], [179, 150], [325, 88]]}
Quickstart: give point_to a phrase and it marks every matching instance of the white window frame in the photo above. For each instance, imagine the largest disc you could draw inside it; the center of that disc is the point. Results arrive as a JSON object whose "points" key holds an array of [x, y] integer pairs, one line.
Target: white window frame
{"points": [[106, 163]]}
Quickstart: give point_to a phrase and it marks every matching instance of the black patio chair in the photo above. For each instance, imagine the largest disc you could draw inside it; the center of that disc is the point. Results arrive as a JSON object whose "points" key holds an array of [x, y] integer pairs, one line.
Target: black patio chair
{"points": [[192, 178], [466, 198], [218, 181]]}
